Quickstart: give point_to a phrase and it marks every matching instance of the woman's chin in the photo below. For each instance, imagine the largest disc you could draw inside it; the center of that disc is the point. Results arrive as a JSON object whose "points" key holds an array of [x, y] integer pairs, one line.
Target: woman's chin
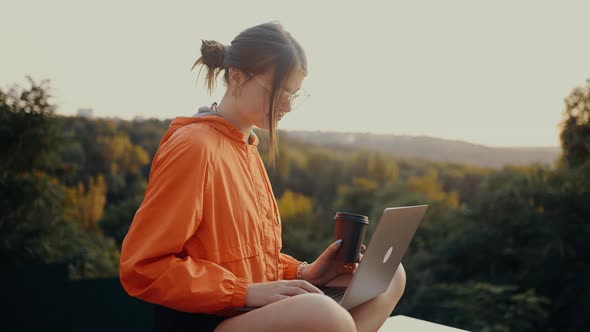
{"points": [[262, 126]]}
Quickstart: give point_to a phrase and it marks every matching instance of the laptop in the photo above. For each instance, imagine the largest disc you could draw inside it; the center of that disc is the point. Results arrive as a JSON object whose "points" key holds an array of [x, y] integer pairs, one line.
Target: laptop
{"points": [[385, 250]]}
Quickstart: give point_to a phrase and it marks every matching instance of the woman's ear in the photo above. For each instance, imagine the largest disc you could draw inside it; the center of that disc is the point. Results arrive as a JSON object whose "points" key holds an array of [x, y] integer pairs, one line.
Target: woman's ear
{"points": [[236, 79]]}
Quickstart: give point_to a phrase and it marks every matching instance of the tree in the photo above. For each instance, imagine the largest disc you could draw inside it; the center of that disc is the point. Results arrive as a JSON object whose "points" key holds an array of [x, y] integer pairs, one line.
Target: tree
{"points": [[480, 306], [575, 127], [29, 129], [431, 188], [32, 224], [357, 197], [86, 206], [295, 207]]}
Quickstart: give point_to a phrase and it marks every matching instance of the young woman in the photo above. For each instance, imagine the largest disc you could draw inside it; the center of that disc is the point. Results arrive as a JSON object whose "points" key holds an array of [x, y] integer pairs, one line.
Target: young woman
{"points": [[207, 236]]}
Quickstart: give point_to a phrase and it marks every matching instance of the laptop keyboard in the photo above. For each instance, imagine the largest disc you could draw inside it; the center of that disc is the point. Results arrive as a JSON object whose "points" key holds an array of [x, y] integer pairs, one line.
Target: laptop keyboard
{"points": [[336, 293]]}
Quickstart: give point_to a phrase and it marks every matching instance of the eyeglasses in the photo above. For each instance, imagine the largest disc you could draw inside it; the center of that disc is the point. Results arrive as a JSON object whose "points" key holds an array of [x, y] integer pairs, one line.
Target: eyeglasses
{"points": [[294, 100]]}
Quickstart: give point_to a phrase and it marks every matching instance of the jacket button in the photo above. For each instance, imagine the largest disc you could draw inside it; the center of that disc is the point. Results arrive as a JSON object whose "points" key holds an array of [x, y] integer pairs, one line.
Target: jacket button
{"points": [[268, 215]]}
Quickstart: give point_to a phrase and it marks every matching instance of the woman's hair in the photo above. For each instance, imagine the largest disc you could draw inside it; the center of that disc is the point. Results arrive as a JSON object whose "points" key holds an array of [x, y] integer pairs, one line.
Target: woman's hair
{"points": [[256, 50]]}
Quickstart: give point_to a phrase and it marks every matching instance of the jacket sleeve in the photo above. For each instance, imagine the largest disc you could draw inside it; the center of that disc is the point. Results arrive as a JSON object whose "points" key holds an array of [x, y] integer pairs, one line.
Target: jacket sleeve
{"points": [[151, 267], [290, 265]]}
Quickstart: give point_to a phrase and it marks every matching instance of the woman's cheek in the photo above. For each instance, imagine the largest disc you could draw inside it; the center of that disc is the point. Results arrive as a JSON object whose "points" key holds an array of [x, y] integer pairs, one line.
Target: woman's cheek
{"points": [[262, 121], [260, 112], [255, 115]]}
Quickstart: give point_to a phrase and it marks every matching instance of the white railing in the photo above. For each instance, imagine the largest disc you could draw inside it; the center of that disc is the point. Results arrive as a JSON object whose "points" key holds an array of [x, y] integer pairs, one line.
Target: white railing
{"points": [[404, 323]]}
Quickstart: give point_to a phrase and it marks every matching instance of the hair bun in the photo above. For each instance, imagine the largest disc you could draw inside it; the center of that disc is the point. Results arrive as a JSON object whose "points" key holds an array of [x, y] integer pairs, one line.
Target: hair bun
{"points": [[213, 53]]}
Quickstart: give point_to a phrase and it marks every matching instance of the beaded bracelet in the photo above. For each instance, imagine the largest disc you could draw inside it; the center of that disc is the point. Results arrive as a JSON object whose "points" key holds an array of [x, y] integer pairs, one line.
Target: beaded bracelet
{"points": [[300, 269]]}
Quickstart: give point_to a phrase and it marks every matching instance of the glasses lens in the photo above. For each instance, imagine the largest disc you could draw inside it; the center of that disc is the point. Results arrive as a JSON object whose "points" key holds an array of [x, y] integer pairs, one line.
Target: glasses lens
{"points": [[298, 100]]}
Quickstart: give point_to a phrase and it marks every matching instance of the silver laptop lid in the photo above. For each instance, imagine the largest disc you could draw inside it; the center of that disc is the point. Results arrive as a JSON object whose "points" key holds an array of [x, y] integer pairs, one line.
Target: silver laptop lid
{"points": [[385, 250]]}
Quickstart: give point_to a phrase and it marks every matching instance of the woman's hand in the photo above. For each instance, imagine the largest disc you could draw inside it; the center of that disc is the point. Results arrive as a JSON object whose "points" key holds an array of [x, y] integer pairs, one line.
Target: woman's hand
{"points": [[261, 294], [325, 268]]}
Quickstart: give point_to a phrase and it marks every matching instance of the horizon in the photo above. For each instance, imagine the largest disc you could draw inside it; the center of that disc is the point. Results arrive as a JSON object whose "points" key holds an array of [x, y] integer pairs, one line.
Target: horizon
{"points": [[322, 131], [490, 74]]}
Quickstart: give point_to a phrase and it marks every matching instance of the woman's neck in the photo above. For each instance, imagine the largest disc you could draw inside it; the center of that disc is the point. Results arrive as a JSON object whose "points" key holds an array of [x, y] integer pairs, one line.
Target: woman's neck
{"points": [[234, 117]]}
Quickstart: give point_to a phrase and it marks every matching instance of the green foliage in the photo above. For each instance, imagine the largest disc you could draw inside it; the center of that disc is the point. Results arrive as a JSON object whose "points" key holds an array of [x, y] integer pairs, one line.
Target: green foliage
{"points": [[498, 250], [30, 206], [480, 306], [33, 225], [118, 216], [28, 129], [575, 127], [294, 207], [357, 197]]}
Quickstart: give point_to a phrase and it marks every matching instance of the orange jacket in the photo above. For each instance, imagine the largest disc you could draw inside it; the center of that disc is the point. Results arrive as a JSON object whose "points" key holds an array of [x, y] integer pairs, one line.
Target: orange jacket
{"points": [[208, 225]]}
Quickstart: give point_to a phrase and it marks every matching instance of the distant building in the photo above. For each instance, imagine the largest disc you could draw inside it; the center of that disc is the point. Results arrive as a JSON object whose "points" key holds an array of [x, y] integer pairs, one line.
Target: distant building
{"points": [[350, 138], [113, 118], [85, 113]]}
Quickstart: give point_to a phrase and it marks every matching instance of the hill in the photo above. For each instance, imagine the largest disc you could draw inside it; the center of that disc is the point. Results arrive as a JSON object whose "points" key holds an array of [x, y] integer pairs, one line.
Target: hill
{"points": [[430, 148]]}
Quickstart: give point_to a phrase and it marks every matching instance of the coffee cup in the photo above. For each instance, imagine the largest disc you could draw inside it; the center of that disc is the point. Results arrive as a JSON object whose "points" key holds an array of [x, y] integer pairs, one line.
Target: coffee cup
{"points": [[350, 228]]}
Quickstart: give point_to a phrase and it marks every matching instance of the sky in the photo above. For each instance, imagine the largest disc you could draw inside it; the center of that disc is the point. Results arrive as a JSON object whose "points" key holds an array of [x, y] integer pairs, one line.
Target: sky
{"points": [[486, 72]]}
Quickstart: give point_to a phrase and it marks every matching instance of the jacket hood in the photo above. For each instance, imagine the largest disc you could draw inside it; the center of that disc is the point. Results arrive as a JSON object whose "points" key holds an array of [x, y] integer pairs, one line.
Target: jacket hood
{"points": [[213, 119]]}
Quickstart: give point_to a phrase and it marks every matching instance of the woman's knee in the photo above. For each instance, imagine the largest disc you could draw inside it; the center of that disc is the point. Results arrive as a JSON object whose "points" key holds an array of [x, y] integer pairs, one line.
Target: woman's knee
{"points": [[306, 312], [324, 314], [398, 284]]}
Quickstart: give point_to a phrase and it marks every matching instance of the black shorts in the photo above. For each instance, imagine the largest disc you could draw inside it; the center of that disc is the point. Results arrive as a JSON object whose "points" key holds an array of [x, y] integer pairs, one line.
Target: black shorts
{"points": [[169, 320]]}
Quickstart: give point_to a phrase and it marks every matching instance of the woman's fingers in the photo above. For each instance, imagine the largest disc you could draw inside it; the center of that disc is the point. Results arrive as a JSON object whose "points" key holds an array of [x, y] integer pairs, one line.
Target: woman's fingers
{"points": [[292, 291], [307, 286], [279, 297], [363, 247], [356, 265], [360, 256]]}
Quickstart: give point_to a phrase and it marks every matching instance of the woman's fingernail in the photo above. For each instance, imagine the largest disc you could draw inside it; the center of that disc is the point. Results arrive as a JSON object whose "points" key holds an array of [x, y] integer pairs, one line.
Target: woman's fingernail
{"points": [[338, 242]]}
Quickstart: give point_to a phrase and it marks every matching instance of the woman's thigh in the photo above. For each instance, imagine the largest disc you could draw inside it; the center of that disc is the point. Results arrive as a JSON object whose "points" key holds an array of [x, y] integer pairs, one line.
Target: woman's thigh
{"points": [[305, 312]]}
